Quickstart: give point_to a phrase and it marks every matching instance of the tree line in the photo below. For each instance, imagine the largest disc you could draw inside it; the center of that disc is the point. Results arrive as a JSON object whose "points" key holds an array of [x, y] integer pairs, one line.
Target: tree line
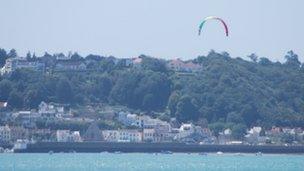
{"points": [[227, 92]]}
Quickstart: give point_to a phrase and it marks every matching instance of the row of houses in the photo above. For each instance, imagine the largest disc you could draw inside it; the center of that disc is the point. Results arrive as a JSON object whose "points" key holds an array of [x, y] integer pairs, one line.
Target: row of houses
{"points": [[156, 130], [14, 133], [188, 133], [63, 64], [13, 64]]}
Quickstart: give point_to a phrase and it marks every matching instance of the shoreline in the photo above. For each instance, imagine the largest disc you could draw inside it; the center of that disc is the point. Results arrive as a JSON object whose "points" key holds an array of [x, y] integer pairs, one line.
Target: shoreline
{"points": [[99, 147]]}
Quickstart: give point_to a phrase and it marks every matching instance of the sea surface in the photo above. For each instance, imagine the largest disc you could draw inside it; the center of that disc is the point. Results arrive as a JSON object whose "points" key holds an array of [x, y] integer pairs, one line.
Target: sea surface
{"points": [[149, 162]]}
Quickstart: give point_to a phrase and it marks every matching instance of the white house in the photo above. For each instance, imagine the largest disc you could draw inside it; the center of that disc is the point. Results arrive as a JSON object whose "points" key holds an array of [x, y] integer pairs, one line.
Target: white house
{"points": [[50, 110], [185, 130]]}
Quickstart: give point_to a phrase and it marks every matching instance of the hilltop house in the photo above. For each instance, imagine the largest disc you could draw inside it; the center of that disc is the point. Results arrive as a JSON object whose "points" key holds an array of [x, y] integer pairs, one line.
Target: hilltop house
{"points": [[181, 66], [12, 64]]}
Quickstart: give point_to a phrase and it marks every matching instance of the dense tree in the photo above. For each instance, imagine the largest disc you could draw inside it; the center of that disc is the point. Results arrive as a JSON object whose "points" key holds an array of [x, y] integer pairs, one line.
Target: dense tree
{"points": [[76, 57], [29, 56], [264, 61], [186, 110], [217, 127], [5, 89], [292, 59], [15, 100], [64, 91], [153, 64], [238, 131], [253, 57], [172, 103], [12, 53], [234, 117]]}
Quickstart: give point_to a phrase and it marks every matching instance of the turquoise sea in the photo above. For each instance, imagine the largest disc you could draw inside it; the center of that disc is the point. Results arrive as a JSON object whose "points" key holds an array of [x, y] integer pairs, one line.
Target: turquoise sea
{"points": [[150, 162]]}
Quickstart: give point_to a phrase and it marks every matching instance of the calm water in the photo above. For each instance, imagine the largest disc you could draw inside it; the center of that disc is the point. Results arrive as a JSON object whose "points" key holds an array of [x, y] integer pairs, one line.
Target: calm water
{"points": [[149, 162]]}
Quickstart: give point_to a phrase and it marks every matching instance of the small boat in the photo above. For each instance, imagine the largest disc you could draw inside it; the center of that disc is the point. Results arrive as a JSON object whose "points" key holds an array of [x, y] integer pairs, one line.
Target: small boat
{"points": [[117, 152], [51, 152], [219, 153]]}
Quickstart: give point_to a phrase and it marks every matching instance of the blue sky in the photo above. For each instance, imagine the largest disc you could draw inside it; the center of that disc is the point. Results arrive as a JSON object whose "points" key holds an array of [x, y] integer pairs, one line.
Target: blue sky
{"points": [[160, 28]]}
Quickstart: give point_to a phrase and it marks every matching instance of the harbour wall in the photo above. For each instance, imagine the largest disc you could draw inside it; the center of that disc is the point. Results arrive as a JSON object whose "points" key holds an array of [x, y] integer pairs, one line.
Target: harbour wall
{"points": [[96, 147]]}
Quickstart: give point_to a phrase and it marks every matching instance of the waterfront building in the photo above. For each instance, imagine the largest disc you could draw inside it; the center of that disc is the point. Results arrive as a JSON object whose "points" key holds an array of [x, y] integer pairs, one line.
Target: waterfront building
{"points": [[124, 135], [110, 135], [68, 136], [149, 135], [129, 135]]}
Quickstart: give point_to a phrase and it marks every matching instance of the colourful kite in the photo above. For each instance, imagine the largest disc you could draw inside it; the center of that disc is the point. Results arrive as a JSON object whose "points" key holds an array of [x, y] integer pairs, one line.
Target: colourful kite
{"points": [[213, 18]]}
